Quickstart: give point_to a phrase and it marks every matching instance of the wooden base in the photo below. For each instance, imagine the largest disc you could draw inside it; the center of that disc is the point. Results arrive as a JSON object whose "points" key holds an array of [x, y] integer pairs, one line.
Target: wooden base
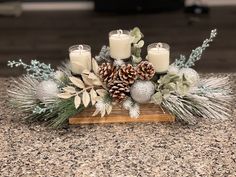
{"points": [[149, 113]]}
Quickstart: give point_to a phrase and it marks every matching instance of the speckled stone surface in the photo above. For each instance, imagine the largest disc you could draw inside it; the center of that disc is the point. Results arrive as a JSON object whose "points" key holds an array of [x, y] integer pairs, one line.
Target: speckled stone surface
{"points": [[116, 150]]}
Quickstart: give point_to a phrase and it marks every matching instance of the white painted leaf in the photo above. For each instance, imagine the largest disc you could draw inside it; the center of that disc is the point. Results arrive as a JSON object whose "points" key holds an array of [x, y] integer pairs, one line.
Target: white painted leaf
{"points": [[101, 92], [95, 80], [108, 109], [64, 95], [86, 71], [93, 96], [78, 65], [69, 89], [92, 76], [86, 98], [95, 66], [86, 80], [77, 82], [77, 101]]}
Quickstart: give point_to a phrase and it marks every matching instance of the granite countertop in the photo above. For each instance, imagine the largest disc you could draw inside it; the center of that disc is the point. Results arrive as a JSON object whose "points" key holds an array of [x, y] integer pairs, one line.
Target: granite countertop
{"points": [[116, 150]]}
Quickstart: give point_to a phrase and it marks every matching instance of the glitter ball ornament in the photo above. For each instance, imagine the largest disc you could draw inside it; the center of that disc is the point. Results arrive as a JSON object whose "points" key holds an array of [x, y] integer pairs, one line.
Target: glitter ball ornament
{"points": [[141, 91], [191, 75], [46, 90]]}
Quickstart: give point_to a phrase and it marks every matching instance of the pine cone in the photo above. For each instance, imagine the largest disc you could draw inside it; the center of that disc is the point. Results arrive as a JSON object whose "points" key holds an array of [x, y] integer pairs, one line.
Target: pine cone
{"points": [[107, 73], [127, 74], [119, 90], [145, 70]]}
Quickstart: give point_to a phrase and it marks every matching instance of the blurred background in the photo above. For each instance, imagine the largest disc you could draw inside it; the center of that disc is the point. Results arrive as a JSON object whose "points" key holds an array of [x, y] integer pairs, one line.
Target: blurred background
{"points": [[44, 30]]}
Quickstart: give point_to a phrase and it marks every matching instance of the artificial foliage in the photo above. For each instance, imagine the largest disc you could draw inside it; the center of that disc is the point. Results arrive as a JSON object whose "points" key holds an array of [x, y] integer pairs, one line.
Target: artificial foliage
{"points": [[53, 96]]}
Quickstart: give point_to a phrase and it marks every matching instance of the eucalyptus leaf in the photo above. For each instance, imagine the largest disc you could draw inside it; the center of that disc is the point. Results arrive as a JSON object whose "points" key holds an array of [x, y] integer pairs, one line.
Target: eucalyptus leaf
{"points": [[136, 60], [157, 98], [140, 44]]}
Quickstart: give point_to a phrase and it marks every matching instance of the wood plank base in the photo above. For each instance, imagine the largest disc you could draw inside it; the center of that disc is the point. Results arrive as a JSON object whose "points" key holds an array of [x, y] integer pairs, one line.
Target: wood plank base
{"points": [[149, 113]]}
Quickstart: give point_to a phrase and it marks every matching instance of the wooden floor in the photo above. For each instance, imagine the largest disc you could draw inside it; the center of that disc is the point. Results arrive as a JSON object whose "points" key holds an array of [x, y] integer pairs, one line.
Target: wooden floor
{"points": [[47, 35]]}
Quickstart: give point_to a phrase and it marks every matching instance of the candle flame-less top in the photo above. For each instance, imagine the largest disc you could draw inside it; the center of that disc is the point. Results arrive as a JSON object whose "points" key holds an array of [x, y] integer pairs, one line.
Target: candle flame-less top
{"points": [[158, 55], [120, 44], [80, 58]]}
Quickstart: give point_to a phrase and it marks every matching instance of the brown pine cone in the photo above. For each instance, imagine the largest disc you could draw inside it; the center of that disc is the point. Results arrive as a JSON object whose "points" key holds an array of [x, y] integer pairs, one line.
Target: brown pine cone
{"points": [[145, 70], [119, 90], [127, 74], [107, 73]]}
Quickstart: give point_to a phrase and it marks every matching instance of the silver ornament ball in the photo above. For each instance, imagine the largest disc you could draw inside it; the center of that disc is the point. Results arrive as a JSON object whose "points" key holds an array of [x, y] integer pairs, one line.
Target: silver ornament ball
{"points": [[141, 91], [46, 90], [191, 75]]}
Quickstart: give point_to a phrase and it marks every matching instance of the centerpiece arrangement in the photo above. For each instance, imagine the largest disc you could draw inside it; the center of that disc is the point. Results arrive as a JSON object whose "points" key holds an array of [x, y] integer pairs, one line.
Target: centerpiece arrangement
{"points": [[119, 77]]}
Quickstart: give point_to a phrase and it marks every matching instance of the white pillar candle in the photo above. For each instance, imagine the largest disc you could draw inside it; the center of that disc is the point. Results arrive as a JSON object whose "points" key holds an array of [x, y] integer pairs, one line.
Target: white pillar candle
{"points": [[159, 56], [120, 44], [80, 58]]}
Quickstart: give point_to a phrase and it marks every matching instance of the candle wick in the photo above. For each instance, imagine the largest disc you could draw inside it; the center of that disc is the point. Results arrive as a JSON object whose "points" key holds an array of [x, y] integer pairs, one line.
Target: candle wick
{"points": [[81, 47], [120, 31], [159, 45]]}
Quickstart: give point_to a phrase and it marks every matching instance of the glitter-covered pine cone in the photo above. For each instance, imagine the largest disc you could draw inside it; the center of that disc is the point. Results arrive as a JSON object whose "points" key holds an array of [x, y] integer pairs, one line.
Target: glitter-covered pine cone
{"points": [[119, 90], [107, 73], [127, 74], [145, 70]]}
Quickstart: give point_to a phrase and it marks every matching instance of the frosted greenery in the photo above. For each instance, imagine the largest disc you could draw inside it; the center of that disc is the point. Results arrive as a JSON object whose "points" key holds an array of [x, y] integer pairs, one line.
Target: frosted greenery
{"points": [[196, 54], [35, 69], [104, 54]]}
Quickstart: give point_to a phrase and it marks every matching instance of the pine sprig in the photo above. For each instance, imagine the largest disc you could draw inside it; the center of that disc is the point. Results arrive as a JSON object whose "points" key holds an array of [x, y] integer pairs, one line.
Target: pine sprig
{"points": [[58, 116], [23, 94], [212, 98]]}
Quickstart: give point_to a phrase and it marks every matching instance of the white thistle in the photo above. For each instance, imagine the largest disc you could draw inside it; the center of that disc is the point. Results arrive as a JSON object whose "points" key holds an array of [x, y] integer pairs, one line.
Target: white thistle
{"points": [[102, 106], [132, 107], [47, 90], [127, 104], [134, 111]]}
